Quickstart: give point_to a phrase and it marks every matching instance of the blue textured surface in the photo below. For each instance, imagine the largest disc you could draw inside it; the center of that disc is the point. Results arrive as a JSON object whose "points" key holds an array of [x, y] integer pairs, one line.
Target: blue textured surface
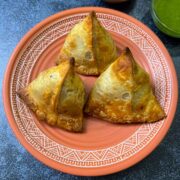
{"points": [[17, 18]]}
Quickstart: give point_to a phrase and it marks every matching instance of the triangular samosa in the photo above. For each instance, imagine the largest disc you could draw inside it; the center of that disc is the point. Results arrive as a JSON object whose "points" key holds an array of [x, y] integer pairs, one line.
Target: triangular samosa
{"points": [[91, 46], [57, 96], [123, 94]]}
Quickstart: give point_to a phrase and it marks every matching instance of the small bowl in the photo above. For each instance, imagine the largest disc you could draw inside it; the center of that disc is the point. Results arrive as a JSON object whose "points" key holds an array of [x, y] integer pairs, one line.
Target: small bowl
{"points": [[161, 25]]}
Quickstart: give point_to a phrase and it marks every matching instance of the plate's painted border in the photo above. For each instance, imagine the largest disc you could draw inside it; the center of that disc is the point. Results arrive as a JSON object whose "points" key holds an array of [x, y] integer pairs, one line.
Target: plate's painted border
{"points": [[110, 152]]}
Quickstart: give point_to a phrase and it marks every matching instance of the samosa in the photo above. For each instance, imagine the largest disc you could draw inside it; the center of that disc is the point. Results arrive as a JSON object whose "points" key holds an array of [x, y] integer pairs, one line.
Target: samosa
{"points": [[91, 45], [57, 96], [123, 94]]}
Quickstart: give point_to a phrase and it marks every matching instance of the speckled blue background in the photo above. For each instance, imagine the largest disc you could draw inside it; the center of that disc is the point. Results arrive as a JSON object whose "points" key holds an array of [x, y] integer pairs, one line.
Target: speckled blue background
{"points": [[16, 19]]}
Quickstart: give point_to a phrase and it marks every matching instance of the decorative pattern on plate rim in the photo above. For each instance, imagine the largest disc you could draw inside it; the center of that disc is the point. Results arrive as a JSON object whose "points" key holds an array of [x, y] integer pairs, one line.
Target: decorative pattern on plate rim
{"points": [[77, 157]]}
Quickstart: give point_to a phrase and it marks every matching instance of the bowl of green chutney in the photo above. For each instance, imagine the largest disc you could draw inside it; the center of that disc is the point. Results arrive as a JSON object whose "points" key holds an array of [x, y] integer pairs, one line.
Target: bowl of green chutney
{"points": [[166, 16]]}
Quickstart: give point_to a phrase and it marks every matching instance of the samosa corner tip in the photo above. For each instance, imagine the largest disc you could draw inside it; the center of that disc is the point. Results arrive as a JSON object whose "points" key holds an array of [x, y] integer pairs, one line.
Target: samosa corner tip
{"points": [[126, 50], [92, 14], [72, 61]]}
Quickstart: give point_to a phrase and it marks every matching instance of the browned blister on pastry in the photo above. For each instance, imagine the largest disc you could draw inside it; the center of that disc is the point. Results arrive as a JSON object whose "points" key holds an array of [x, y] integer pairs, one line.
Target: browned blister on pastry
{"points": [[123, 94], [57, 96], [91, 45]]}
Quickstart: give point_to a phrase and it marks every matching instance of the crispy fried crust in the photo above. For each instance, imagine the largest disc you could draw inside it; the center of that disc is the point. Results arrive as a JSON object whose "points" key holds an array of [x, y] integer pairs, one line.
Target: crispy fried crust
{"points": [[51, 91], [91, 45], [123, 94]]}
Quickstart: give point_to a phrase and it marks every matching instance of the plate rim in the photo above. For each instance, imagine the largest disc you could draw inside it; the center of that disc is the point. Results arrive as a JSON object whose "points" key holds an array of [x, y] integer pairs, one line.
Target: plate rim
{"points": [[98, 171]]}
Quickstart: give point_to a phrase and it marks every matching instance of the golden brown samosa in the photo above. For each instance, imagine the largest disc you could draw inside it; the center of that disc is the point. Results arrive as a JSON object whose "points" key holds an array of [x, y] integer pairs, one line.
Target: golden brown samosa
{"points": [[57, 96], [91, 45], [123, 94]]}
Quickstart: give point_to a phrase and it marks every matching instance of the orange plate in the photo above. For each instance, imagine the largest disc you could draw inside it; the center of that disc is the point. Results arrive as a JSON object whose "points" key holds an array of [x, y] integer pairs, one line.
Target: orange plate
{"points": [[103, 148]]}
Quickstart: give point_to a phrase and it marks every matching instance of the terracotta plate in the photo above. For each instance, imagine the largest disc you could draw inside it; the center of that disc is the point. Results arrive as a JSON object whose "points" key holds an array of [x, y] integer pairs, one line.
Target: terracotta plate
{"points": [[103, 148]]}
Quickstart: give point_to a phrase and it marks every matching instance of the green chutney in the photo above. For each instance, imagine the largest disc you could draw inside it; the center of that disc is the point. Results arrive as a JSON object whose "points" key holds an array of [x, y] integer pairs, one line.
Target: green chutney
{"points": [[166, 14]]}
